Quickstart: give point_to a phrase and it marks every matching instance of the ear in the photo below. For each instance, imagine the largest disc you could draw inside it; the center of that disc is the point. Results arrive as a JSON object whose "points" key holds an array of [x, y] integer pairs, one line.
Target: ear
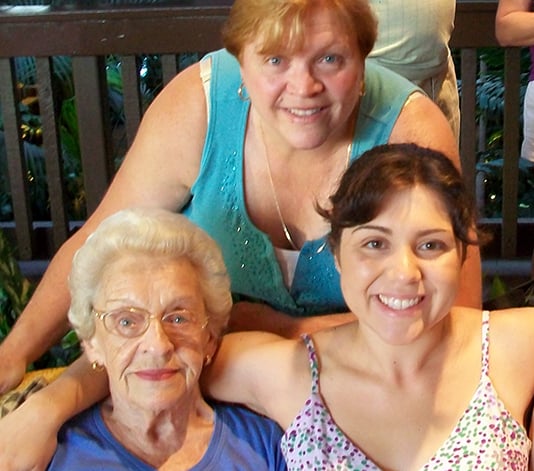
{"points": [[212, 344], [336, 260], [93, 351]]}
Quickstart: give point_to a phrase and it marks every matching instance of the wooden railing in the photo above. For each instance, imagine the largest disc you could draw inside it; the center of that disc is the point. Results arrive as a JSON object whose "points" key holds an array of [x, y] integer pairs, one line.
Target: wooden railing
{"points": [[166, 28]]}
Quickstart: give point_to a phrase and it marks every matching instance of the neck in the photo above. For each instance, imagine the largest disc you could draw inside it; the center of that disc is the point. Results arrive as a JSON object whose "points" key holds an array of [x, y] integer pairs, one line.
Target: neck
{"points": [[182, 431], [401, 363]]}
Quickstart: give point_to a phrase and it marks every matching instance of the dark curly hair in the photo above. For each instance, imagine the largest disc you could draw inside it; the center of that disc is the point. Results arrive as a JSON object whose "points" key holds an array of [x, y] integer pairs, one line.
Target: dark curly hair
{"points": [[387, 169]]}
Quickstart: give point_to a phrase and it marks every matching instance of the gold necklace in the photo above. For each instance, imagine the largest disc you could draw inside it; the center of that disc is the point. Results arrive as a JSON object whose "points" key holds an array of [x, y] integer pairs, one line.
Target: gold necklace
{"points": [[285, 229]]}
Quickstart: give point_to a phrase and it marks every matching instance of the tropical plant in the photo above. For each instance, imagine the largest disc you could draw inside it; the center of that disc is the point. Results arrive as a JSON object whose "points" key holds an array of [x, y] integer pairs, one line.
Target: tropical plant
{"points": [[15, 292], [490, 103]]}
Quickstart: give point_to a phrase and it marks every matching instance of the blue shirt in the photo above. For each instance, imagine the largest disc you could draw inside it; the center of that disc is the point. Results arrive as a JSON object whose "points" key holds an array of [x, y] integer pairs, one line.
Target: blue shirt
{"points": [[241, 441]]}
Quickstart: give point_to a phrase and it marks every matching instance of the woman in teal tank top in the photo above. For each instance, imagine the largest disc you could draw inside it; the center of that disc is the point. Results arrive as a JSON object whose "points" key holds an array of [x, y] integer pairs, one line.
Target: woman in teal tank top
{"points": [[246, 144]]}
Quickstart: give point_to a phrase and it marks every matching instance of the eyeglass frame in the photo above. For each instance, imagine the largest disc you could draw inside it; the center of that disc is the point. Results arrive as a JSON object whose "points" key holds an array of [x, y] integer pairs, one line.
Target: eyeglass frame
{"points": [[148, 316]]}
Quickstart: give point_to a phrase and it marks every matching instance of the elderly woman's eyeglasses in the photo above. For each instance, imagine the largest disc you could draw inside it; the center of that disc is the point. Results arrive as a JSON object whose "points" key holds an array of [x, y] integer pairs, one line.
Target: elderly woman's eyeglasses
{"points": [[132, 322]]}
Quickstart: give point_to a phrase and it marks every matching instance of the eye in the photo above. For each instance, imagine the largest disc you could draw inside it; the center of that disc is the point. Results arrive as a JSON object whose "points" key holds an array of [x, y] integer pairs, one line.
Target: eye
{"points": [[126, 320], [274, 60], [375, 244], [432, 245], [330, 58], [177, 318]]}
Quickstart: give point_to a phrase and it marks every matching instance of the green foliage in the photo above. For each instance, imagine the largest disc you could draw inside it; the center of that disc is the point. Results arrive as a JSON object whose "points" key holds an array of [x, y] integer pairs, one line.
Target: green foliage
{"points": [[498, 287], [490, 110], [15, 292], [490, 164]]}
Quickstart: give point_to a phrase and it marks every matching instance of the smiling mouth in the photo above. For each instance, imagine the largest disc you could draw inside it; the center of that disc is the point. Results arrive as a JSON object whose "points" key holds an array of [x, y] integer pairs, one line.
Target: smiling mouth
{"points": [[156, 374], [303, 113], [399, 304]]}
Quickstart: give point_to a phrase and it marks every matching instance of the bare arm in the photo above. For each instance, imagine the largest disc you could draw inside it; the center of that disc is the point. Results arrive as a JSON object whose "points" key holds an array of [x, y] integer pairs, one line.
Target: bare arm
{"points": [[28, 434], [514, 23], [158, 171], [422, 123], [247, 316], [263, 371]]}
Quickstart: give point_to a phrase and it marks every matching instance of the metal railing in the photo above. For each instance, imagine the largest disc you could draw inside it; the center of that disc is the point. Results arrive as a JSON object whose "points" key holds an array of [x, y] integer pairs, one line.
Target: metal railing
{"points": [[88, 35]]}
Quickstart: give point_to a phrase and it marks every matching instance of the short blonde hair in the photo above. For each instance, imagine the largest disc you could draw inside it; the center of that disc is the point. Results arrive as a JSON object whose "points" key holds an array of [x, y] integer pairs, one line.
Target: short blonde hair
{"points": [[155, 232], [282, 23]]}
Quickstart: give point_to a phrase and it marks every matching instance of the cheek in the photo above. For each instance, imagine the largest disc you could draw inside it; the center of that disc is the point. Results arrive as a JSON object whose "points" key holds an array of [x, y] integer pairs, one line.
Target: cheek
{"points": [[118, 357], [345, 86]]}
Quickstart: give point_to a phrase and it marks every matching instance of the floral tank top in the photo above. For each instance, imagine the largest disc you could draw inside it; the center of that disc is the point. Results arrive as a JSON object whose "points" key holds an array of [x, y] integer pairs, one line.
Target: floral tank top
{"points": [[486, 437]]}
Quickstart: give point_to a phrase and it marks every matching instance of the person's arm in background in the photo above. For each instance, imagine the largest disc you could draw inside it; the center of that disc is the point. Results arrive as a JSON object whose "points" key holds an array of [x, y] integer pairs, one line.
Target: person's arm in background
{"points": [[147, 177], [514, 23], [28, 435], [250, 316]]}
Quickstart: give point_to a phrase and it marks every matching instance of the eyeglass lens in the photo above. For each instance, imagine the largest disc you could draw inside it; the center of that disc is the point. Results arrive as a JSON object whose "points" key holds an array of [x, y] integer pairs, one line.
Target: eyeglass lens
{"points": [[134, 322]]}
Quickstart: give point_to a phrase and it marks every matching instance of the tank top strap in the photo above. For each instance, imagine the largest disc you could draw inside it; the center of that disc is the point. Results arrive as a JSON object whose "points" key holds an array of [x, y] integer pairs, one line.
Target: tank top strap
{"points": [[314, 362], [485, 342]]}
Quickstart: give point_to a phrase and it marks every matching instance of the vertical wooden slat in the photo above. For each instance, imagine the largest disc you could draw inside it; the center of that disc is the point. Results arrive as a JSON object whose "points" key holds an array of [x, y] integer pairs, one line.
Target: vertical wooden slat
{"points": [[169, 67], [468, 151], [52, 152], [131, 96], [511, 152], [93, 121], [16, 161]]}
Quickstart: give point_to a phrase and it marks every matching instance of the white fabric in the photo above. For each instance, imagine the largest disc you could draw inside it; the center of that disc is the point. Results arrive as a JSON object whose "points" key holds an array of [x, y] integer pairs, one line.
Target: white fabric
{"points": [[527, 148], [287, 259], [413, 36]]}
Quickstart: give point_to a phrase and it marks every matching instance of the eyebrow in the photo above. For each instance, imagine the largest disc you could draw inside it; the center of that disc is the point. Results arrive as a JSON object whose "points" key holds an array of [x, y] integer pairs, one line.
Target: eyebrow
{"points": [[388, 231]]}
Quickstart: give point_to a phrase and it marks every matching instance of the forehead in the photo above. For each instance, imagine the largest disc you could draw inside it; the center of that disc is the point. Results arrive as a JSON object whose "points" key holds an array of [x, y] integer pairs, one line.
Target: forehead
{"points": [[294, 34], [416, 205], [142, 275]]}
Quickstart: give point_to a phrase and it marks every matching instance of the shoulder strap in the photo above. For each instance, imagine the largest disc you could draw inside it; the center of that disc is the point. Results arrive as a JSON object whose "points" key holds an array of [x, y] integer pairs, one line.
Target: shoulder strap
{"points": [[314, 362], [485, 342]]}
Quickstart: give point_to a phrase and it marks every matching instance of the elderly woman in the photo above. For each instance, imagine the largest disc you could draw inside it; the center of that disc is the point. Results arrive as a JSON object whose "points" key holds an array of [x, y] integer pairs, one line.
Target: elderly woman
{"points": [[150, 298]]}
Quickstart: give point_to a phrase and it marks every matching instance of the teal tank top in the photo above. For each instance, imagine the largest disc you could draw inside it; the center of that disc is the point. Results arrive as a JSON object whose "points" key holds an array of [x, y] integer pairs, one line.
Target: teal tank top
{"points": [[217, 201]]}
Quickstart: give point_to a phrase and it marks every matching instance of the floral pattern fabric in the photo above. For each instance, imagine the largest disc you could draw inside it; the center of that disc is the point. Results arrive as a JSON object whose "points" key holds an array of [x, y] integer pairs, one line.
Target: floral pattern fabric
{"points": [[485, 438]]}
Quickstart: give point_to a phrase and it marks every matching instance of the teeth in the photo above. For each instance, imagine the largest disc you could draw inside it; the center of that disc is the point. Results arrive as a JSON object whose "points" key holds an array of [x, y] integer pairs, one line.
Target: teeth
{"points": [[398, 304], [301, 112]]}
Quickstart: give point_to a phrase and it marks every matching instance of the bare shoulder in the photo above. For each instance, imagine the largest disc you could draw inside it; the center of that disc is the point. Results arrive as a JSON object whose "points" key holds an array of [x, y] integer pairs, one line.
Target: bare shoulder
{"points": [[164, 159], [515, 324], [423, 123], [173, 129], [501, 320], [511, 347]]}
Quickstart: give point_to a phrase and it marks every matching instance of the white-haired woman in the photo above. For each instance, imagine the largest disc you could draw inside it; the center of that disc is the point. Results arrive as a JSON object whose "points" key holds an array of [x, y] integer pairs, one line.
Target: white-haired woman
{"points": [[150, 299]]}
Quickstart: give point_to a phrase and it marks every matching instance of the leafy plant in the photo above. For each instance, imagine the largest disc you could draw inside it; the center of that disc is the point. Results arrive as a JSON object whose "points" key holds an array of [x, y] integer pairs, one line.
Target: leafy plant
{"points": [[15, 292]]}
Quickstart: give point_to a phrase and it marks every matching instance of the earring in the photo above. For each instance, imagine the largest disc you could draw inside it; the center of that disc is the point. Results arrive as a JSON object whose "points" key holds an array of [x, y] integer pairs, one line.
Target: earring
{"points": [[362, 89], [242, 92], [97, 366], [207, 360]]}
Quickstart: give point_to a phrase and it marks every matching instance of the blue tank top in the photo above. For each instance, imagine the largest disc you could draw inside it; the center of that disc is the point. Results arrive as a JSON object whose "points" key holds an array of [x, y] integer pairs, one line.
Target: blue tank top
{"points": [[218, 203]]}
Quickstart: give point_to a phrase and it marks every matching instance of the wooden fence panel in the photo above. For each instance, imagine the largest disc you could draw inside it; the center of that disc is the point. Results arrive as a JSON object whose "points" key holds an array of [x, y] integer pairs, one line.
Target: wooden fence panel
{"points": [[16, 162]]}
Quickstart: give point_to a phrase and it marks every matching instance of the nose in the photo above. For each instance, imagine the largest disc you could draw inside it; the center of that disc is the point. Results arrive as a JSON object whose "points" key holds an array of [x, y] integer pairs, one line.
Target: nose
{"points": [[404, 266], [155, 339], [303, 82]]}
